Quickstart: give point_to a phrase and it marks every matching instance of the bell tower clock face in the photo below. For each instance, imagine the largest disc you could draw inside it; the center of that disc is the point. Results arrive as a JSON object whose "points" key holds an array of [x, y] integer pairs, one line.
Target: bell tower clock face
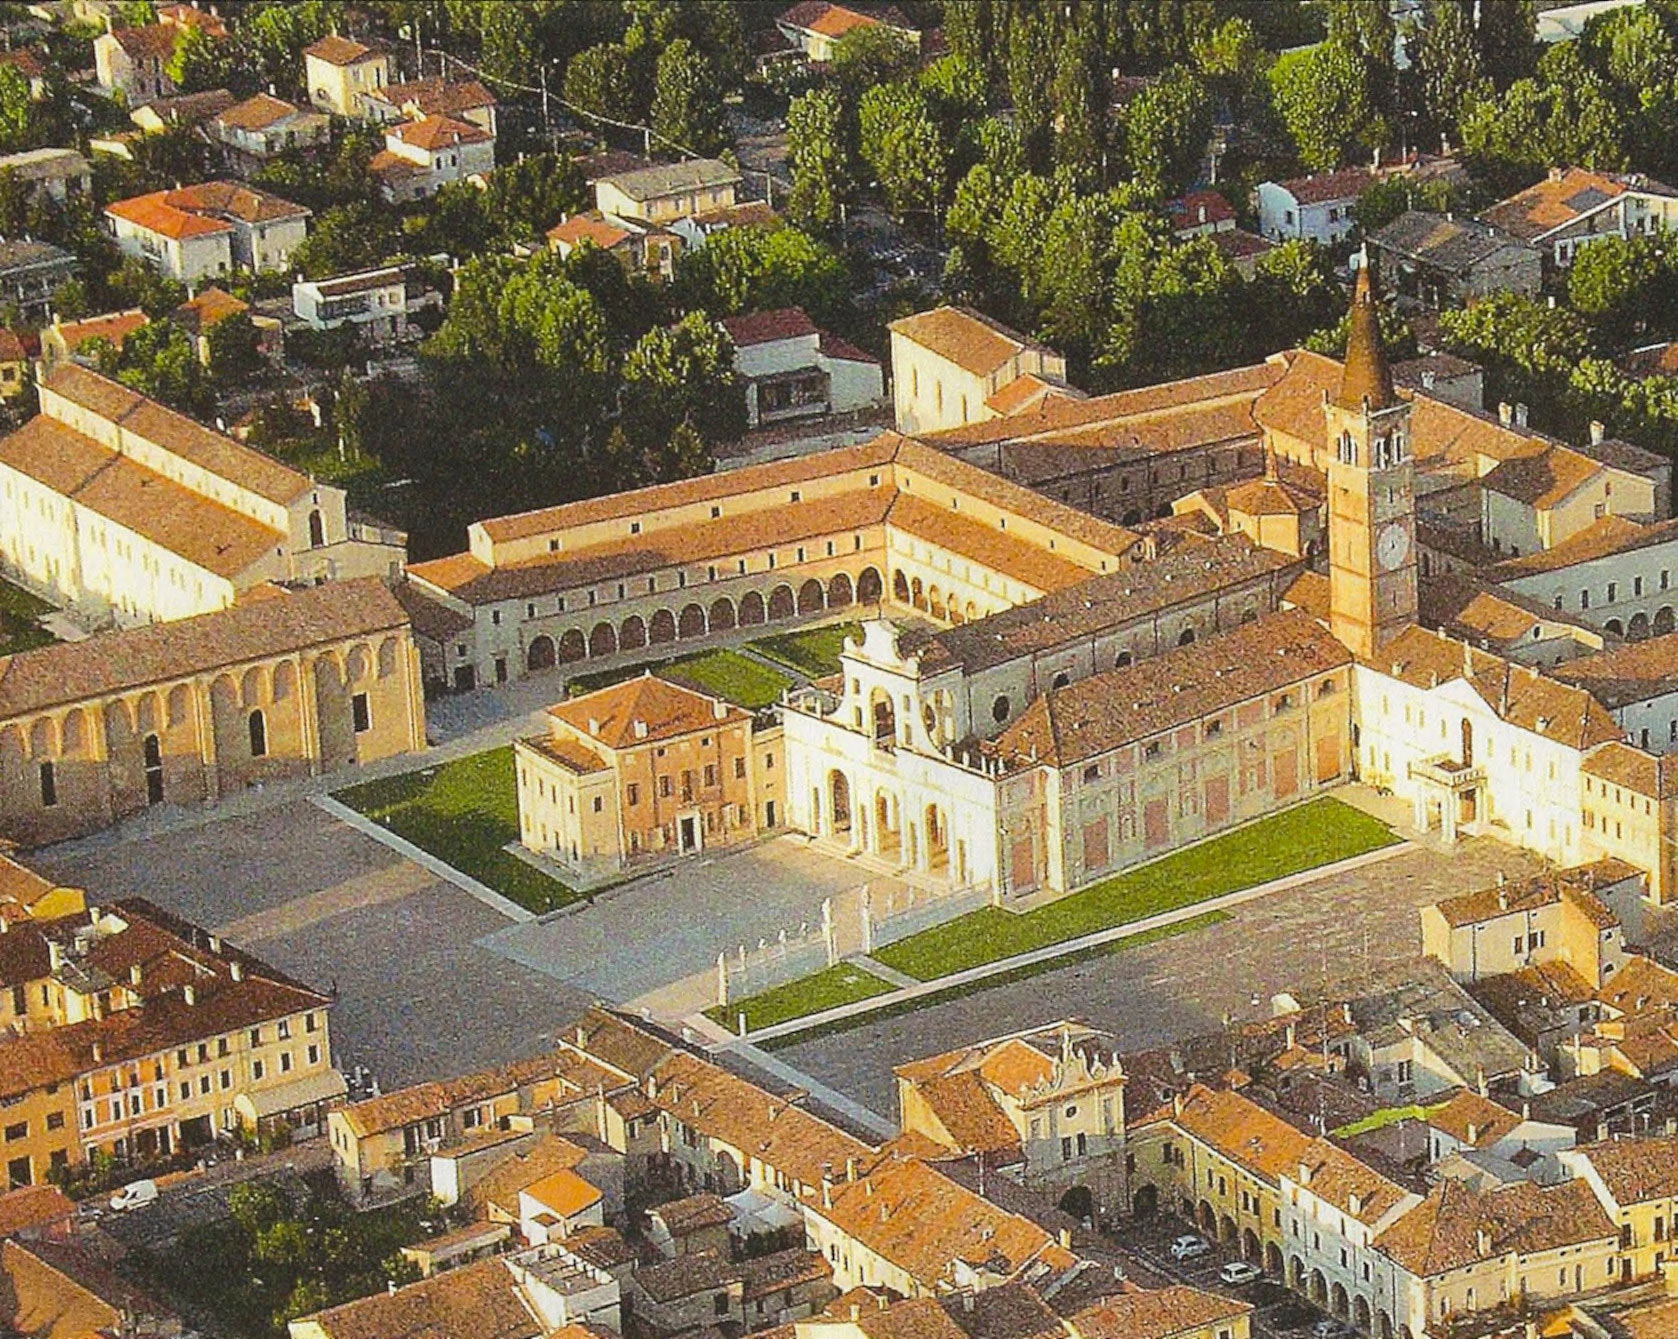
{"points": [[1392, 547]]}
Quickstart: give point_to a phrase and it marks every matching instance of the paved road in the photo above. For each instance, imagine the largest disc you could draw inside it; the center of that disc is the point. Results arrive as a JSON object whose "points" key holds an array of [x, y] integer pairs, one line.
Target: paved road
{"points": [[1339, 928]]}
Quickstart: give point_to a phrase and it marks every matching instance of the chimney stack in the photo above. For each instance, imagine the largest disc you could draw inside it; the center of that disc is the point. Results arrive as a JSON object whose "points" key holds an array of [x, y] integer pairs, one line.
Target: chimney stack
{"points": [[1520, 415], [1505, 413], [1599, 430]]}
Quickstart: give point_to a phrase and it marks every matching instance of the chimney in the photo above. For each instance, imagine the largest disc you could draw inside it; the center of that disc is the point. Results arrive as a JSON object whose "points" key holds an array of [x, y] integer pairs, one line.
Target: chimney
{"points": [[1526, 1110], [1473, 1133], [640, 729], [134, 974], [967, 1301], [98, 1053], [594, 725], [236, 970], [1599, 430], [1377, 162], [1520, 415], [1502, 900], [850, 1169], [1202, 212], [1066, 1239], [1482, 1241], [1176, 1104], [719, 709], [1304, 1174], [1505, 413], [215, 943], [1601, 1131], [827, 1191], [189, 993], [1429, 377]]}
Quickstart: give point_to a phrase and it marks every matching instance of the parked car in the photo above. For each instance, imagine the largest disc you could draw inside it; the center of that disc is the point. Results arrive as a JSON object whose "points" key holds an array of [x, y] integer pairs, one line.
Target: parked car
{"points": [[1329, 1328], [1190, 1247], [1240, 1273], [133, 1195]]}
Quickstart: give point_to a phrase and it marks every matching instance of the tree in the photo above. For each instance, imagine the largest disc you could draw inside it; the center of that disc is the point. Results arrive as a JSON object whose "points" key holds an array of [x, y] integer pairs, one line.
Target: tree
{"points": [[232, 348], [687, 102], [677, 375], [1077, 93], [605, 80], [136, 284], [1233, 61], [1612, 283], [818, 152], [507, 33], [1324, 102], [1364, 28], [1452, 75], [526, 198], [17, 109], [1166, 127], [348, 237], [198, 61], [270, 40], [867, 56], [906, 148], [258, 1205], [756, 269], [1292, 293], [1030, 63], [160, 361]]}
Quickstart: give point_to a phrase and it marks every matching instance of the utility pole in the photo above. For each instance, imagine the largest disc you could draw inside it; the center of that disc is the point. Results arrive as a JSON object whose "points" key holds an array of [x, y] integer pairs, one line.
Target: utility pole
{"points": [[547, 123]]}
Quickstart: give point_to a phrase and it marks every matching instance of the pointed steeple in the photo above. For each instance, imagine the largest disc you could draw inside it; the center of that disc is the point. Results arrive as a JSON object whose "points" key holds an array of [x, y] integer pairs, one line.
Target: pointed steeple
{"points": [[1366, 378]]}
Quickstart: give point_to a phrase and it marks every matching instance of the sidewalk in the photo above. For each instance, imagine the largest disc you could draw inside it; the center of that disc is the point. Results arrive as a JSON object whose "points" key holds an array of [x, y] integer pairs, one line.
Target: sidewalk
{"points": [[974, 975]]}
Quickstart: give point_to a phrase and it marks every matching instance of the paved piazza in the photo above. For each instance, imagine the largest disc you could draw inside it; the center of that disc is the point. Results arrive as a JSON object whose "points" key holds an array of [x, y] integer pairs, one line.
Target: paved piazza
{"points": [[1180, 986], [432, 982]]}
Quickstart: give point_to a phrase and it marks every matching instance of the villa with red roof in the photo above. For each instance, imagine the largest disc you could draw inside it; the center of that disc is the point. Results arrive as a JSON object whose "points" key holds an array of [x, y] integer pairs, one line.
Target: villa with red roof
{"points": [[792, 369]]}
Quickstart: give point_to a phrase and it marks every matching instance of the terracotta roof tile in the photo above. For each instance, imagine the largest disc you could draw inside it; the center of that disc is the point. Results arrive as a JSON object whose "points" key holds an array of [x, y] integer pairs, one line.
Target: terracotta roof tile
{"points": [[968, 338], [1560, 198], [1456, 1225], [336, 50], [589, 227], [258, 113], [477, 1300], [439, 132], [114, 326], [765, 327], [644, 710], [1346, 184], [1164, 1313], [1541, 890]]}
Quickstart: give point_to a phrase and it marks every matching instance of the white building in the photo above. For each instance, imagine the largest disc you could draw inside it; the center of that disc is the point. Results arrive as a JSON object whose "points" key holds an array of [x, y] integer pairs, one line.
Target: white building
{"points": [[792, 369], [1317, 208], [421, 157], [342, 74], [263, 127], [1615, 575], [205, 231], [1573, 207], [665, 192], [133, 513], [378, 303], [952, 366]]}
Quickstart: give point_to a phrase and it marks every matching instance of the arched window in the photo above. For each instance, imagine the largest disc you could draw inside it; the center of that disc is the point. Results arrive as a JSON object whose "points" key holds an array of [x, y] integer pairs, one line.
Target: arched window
{"points": [[317, 530], [259, 735]]}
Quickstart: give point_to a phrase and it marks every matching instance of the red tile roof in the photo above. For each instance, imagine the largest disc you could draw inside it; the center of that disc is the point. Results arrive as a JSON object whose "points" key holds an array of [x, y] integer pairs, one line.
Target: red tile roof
{"points": [[765, 327]]}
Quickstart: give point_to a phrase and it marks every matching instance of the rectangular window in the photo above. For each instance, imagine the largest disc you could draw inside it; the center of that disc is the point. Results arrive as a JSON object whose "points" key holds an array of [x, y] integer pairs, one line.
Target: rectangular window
{"points": [[633, 792], [360, 715], [739, 769], [49, 786]]}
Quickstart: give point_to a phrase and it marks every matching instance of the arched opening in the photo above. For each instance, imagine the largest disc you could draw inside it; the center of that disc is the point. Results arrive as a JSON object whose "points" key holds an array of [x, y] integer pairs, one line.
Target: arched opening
{"points": [[810, 597], [1614, 626], [1249, 1245], [839, 592], [722, 614], [1000, 708], [1185, 637], [957, 618], [1296, 1274], [1226, 1228], [1131, 517], [1208, 1218], [540, 654], [1318, 1289], [1638, 628], [572, 647], [751, 609], [937, 841], [839, 788], [1249, 615], [1273, 1259], [1060, 680], [1361, 1316], [1338, 1301], [1383, 1325], [886, 831], [729, 1178], [1122, 660], [662, 629], [885, 717], [1146, 1203], [900, 587], [317, 531], [1467, 742], [970, 612], [868, 587], [1079, 1202], [1663, 620], [781, 603], [691, 623], [258, 728], [633, 635], [603, 640], [935, 603], [917, 594]]}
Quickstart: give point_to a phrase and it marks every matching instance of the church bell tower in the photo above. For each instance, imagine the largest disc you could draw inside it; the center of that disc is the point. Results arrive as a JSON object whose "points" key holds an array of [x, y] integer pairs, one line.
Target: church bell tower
{"points": [[1371, 490]]}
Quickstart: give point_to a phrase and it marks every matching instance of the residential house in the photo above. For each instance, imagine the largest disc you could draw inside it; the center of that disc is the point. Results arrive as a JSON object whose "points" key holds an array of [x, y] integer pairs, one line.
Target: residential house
{"points": [[645, 768], [816, 27], [1174, 1312], [664, 192], [1540, 501], [206, 231], [184, 111], [58, 1290], [1048, 1105], [63, 341], [1445, 261], [792, 369], [138, 513], [56, 175], [31, 272], [342, 75], [1574, 206], [690, 1225], [696, 229], [144, 1035], [1316, 208], [952, 366], [707, 1288], [1635, 1181], [1209, 214], [378, 304], [458, 100], [187, 711], [261, 128], [421, 157], [1567, 917], [640, 247], [1498, 1143], [14, 365], [1615, 574], [133, 62], [202, 313]]}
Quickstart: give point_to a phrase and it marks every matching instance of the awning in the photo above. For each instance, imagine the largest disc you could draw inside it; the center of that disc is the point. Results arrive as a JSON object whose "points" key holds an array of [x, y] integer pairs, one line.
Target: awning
{"points": [[265, 1102]]}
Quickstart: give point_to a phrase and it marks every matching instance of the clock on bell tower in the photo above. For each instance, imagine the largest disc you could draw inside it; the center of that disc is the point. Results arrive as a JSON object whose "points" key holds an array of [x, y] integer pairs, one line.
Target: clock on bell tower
{"points": [[1371, 490]]}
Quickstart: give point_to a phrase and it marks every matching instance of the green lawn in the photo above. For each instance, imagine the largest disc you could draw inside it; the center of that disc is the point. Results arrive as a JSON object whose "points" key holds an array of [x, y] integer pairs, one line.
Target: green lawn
{"points": [[1313, 834], [828, 989], [728, 674], [889, 1011], [723, 673], [810, 651], [463, 812], [18, 629]]}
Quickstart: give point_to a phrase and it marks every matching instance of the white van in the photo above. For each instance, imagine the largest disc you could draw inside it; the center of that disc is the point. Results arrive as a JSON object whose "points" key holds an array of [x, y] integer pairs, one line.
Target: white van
{"points": [[133, 1195]]}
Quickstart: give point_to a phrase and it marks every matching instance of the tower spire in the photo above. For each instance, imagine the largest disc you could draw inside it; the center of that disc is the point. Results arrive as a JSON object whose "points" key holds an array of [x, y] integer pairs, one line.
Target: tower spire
{"points": [[1366, 378]]}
